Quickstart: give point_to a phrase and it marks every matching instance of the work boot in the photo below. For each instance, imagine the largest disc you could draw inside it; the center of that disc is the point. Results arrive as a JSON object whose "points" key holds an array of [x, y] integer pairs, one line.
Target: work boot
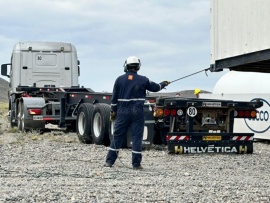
{"points": [[108, 165], [137, 167]]}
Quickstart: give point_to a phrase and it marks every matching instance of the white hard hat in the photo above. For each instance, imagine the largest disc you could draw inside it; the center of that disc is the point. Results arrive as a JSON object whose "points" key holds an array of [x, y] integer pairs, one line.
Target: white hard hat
{"points": [[132, 61]]}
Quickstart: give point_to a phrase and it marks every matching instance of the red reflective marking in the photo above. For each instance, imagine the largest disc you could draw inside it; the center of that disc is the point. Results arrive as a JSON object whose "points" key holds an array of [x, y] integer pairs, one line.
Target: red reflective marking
{"points": [[177, 137], [186, 138], [47, 119], [25, 95], [239, 138]]}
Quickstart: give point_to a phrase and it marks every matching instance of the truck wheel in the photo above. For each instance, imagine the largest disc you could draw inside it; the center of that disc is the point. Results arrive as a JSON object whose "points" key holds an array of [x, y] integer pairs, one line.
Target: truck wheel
{"points": [[83, 123], [101, 124], [19, 115], [22, 119]]}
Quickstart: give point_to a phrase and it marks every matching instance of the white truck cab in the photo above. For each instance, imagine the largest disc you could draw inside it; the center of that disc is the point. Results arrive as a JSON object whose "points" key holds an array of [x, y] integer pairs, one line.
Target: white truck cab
{"points": [[42, 64]]}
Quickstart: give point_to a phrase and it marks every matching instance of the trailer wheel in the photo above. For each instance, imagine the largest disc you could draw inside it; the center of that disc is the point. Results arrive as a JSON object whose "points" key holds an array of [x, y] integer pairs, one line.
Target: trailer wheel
{"points": [[19, 115], [83, 123], [101, 124]]}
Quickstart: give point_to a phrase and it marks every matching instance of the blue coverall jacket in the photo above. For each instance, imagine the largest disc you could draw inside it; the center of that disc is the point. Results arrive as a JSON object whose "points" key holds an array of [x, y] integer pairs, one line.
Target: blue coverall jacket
{"points": [[127, 102]]}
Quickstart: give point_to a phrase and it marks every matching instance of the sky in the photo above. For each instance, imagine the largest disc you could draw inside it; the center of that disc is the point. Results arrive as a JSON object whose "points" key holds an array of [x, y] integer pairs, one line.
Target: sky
{"points": [[171, 38]]}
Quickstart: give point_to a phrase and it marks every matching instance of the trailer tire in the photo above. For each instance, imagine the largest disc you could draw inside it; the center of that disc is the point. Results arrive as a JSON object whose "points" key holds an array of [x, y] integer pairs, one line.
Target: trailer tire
{"points": [[101, 124], [83, 123]]}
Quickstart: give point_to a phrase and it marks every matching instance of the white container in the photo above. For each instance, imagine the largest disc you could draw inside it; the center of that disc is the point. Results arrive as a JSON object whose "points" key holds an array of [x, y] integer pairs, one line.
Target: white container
{"points": [[239, 27]]}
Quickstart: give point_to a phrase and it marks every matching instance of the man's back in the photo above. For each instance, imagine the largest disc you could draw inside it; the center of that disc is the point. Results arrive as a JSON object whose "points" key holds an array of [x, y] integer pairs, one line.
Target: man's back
{"points": [[130, 89]]}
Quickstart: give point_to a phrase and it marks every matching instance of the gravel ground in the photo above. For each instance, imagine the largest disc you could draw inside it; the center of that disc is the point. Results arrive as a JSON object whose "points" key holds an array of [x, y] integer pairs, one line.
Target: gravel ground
{"points": [[55, 167]]}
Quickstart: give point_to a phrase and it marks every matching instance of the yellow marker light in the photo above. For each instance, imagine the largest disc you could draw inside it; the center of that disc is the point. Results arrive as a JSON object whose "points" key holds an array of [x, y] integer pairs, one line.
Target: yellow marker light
{"points": [[159, 112], [253, 114]]}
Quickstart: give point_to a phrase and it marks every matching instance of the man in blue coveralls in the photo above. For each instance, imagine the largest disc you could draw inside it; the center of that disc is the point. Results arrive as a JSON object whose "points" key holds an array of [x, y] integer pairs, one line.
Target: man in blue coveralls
{"points": [[127, 104]]}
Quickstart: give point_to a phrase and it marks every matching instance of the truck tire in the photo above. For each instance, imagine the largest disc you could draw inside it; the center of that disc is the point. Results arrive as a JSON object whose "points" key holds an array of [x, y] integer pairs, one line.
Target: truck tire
{"points": [[101, 124], [83, 123], [19, 115]]}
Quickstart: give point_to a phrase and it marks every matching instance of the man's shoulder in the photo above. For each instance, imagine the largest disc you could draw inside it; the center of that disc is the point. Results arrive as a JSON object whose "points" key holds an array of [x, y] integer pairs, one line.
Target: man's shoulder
{"points": [[135, 75], [143, 77], [121, 76]]}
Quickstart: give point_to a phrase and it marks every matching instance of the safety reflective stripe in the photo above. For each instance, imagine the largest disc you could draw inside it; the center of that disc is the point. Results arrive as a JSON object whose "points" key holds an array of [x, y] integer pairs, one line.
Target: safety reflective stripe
{"points": [[150, 121], [136, 152], [116, 150], [127, 100], [113, 104]]}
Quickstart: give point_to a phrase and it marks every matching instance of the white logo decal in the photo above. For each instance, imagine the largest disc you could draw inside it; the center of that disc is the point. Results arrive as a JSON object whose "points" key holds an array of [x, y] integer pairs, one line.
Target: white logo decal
{"points": [[261, 123]]}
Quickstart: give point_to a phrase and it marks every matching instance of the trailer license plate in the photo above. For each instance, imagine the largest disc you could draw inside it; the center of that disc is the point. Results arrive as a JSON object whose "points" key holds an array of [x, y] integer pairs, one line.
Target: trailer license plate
{"points": [[212, 104], [37, 118], [212, 138]]}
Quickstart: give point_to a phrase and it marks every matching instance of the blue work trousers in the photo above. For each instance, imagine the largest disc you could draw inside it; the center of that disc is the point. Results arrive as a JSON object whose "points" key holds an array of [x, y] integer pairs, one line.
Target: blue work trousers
{"points": [[133, 118]]}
